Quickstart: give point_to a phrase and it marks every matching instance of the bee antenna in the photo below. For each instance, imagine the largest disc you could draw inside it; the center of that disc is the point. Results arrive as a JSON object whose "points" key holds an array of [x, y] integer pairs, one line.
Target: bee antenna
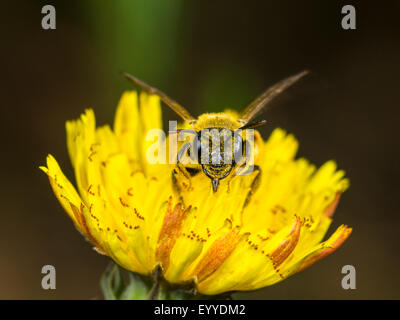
{"points": [[175, 106], [253, 125]]}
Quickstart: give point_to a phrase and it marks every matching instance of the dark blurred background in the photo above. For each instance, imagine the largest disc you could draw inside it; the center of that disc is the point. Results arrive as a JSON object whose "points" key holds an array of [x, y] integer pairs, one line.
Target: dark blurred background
{"points": [[208, 56]]}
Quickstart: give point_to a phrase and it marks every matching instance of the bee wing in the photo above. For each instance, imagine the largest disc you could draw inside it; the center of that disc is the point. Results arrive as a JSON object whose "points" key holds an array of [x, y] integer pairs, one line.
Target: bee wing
{"points": [[261, 101], [175, 106]]}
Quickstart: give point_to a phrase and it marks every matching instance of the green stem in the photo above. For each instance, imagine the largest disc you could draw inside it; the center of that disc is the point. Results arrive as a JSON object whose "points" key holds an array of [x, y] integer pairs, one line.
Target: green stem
{"points": [[155, 291]]}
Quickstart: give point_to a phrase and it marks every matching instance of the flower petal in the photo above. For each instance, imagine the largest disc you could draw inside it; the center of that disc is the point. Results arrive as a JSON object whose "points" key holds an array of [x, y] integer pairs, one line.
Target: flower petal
{"points": [[128, 127], [170, 231], [327, 247], [62, 188]]}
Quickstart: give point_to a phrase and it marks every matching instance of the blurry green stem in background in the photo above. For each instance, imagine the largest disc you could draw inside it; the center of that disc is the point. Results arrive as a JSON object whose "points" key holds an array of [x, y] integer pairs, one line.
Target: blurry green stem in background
{"points": [[137, 36]]}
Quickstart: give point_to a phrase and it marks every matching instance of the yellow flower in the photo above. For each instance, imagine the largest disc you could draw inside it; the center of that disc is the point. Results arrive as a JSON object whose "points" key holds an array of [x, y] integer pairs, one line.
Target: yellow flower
{"points": [[127, 209]]}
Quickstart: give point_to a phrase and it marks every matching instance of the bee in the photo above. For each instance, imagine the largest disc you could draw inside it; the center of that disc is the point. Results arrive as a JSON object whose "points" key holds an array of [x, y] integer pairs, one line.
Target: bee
{"points": [[221, 127]]}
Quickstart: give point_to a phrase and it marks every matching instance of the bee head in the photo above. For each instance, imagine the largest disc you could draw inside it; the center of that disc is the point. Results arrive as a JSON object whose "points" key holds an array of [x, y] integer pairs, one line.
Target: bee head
{"points": [[218, 152]]}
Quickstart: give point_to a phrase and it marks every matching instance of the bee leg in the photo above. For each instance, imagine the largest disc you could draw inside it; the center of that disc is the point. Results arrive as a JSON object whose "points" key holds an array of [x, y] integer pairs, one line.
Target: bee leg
{"points": [[185, 173], [177, 188], [254, 186]]}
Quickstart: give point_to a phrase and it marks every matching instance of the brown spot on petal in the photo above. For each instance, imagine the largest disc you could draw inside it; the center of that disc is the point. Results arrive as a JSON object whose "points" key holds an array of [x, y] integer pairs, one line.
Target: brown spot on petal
{"points": [[134, 172], [80, 217], [262, 238], [129, 192], [138, 214], [170, 231], [286, 247], [94, 145], [218, 252], [327, 250], [123, 203], [91, 155], [90, 191], [330, 209]]}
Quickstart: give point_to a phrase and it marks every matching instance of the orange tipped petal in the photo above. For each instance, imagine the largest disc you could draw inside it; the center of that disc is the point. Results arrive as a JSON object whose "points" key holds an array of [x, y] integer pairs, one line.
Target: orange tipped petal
{"points": [[329, 246], [170, 231], [286, 247], [330, 209], [217, 254]]}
